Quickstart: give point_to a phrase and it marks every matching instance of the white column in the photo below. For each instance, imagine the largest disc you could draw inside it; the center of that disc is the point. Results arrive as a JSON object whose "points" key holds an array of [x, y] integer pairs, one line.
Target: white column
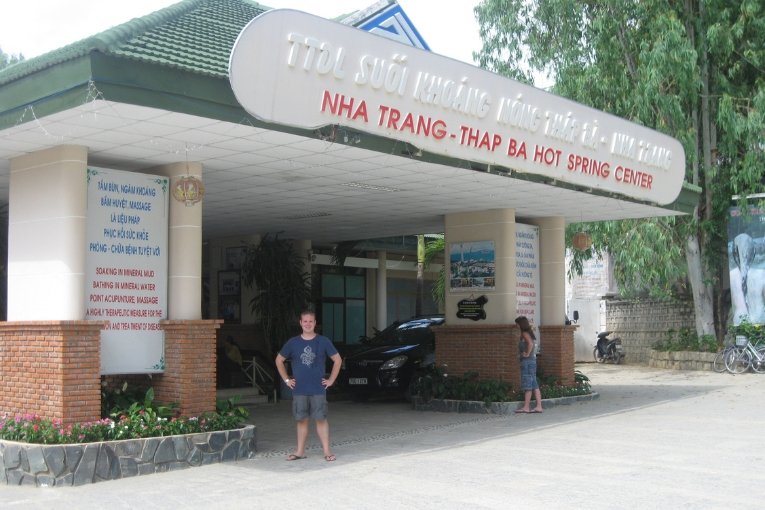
{"points": [[552, 270], [47, 207], [496, 225], [184, 284], [382, 290]]}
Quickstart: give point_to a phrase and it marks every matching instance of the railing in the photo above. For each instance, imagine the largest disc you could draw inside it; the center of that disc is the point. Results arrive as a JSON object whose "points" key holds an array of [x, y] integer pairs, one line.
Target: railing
{"points": [[258, 375]]}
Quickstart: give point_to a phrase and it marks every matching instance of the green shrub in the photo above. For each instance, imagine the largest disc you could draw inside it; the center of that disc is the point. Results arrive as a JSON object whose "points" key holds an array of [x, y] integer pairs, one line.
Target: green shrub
{"points": [[123, 401], [686, 340], [437, 384], [754, 332]]}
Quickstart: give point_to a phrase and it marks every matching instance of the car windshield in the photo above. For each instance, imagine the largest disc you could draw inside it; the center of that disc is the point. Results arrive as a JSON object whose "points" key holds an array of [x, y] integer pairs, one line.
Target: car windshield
{"points": [[402, 334]]}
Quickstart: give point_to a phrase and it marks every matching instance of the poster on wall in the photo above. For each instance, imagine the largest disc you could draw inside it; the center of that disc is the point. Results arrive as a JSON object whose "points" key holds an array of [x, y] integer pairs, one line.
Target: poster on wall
{"points": [[527, 274], [472, 266], [126, 267], [746, 262]]}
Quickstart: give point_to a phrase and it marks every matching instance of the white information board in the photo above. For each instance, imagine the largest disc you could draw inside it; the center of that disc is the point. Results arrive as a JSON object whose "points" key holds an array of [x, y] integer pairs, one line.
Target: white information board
{"points": [[126, 267], [527, 274]]}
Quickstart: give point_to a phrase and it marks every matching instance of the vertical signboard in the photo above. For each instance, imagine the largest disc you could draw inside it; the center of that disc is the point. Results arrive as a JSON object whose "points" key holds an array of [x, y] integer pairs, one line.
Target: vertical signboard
{"points": [[527, 274], [126, 267], [746, 263]]}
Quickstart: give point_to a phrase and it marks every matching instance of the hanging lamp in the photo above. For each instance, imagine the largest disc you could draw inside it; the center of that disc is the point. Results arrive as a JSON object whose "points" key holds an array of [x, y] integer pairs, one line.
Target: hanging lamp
{"points": [[581, 241]]}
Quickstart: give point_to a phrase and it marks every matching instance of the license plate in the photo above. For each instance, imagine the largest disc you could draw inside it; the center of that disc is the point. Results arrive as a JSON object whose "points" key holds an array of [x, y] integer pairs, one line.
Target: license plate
{"points": [[357, 380]]}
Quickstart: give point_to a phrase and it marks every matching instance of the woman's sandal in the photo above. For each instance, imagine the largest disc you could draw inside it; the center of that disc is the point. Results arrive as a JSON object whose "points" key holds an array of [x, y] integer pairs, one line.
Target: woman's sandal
{"points": [[292, 456], [329, 458]]}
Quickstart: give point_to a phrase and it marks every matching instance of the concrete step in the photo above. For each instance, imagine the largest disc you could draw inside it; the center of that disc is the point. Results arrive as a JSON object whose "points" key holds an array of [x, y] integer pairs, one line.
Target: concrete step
{"points": [[247, 395]]}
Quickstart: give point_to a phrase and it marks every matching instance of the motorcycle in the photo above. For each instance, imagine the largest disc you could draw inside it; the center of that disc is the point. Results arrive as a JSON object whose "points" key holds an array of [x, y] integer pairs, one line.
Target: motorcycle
{"points": [[608, 349]]}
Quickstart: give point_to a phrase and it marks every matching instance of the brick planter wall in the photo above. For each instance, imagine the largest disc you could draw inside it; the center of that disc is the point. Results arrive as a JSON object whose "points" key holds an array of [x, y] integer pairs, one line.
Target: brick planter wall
{"points": [[52, 369], [640, 324], [492, 351], [557, 352], [190, 364], [79, 464]]}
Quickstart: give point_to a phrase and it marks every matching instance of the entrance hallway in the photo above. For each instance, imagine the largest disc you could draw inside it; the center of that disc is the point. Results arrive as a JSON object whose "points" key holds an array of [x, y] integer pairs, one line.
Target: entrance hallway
{"points": [[653, 439]]}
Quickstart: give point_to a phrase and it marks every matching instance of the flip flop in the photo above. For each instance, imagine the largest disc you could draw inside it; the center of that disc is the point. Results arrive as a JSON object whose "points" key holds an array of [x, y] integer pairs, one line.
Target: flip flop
{"points": [[536, 412], [521, 411], [292, 456], [329, 458]]}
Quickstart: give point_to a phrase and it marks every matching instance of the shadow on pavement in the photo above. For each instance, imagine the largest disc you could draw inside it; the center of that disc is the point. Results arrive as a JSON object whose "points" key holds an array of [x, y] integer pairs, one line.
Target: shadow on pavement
{"points": [[383, 427]]}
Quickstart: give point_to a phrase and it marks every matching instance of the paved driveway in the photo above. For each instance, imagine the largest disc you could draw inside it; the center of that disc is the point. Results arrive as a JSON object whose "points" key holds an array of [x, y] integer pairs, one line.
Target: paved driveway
{"points": [[654, 439]]}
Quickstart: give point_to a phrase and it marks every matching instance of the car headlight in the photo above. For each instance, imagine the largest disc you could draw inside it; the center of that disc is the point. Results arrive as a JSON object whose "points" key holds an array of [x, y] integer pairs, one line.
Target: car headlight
{"points": [[394, 363]]}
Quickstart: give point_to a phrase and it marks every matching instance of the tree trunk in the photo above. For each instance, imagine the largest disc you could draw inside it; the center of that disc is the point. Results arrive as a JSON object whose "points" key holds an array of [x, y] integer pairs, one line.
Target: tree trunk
{"points": [[703, 302], [420, 275]]}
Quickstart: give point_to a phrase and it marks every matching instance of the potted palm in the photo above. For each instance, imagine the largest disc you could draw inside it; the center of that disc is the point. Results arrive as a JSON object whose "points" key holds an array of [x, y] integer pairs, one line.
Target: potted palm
{"points": [[282, 288]]}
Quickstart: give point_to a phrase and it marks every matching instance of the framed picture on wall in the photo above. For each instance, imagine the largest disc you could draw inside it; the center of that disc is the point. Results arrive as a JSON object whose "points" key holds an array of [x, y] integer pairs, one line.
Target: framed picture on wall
{"points": [[229, 283], [229, 308], [472, 266], [235, 257]]}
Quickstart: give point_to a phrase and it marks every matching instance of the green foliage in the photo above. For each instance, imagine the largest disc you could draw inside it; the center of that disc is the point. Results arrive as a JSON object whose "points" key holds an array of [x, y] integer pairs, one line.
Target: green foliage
{"points": [[686, 340], [437, 384], [130, 401], [754, 332], [116, 400], [693, 70], [639, 268], [282, 288], [230, 408], [434, 250], [7, 60], [582, 381], [140, 419]]}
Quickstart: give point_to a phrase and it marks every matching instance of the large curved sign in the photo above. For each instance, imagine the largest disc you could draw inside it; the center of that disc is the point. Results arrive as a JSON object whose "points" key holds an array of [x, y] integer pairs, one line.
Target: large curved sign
{"points": [[295, 69]]}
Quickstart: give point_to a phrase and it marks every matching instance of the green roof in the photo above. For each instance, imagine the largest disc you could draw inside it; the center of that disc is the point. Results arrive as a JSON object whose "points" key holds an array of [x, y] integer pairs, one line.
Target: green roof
{"points": [[194, 36], [174, 59]]}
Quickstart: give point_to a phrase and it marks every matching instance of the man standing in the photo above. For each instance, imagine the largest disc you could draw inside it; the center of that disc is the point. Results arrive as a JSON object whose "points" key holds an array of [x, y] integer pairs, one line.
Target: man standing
{"points": [[308, 353]]}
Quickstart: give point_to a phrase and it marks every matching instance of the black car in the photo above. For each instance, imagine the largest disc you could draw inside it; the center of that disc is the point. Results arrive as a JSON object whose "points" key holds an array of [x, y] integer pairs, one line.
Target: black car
{"points": [[386, 362]]}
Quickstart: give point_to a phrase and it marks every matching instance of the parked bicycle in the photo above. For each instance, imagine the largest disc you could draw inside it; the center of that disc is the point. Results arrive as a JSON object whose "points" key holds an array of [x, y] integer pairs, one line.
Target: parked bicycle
{"points": [[719, 363], [744, 356]]}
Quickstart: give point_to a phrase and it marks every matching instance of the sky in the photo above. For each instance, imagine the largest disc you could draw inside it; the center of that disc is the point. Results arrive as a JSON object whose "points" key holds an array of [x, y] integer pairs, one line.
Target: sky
{"points": [[34, 27]]}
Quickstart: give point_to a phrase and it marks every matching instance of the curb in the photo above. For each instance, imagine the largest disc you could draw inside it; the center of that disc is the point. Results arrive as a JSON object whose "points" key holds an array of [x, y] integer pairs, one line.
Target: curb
{"points": [[500, 408]]}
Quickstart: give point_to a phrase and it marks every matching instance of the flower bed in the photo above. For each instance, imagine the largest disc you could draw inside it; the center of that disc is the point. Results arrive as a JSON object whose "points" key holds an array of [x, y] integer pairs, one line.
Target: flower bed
{"points": [[83, 463]]}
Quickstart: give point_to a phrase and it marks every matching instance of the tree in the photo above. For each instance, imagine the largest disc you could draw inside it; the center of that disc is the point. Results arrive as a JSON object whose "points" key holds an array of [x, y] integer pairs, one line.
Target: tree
{"points": [[282, 289], [435, 250], [420, 294], [6, 59], [693, 69]]}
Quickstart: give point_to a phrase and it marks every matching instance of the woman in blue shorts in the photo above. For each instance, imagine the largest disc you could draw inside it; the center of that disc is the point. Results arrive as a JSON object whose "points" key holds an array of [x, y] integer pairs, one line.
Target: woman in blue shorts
{"points": [[528, 354]]}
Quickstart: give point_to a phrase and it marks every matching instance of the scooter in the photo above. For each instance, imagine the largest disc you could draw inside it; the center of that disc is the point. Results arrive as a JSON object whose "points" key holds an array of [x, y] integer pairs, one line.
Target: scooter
{"points": [[608, 349]]}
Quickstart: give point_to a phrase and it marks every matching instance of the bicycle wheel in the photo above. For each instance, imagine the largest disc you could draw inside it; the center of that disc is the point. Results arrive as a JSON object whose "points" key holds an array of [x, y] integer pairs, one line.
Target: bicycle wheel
{"points": [[758, 365], [719, 363], [738, 361]]}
